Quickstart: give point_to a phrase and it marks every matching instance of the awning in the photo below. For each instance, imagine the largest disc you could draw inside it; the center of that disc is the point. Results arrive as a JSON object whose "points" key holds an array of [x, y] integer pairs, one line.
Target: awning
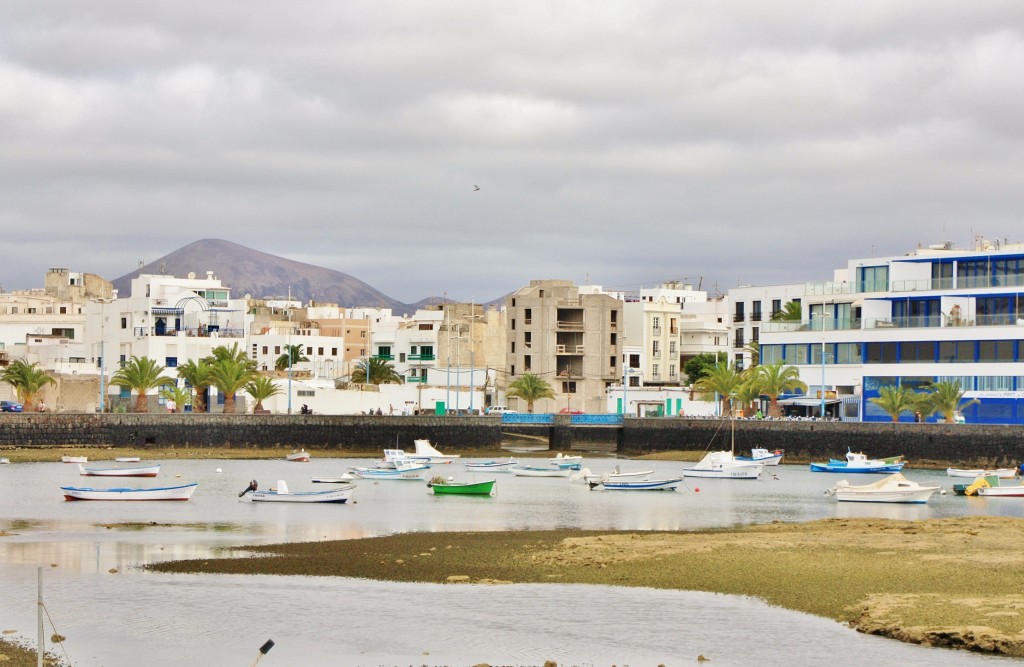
{"points": [[808, 402]]}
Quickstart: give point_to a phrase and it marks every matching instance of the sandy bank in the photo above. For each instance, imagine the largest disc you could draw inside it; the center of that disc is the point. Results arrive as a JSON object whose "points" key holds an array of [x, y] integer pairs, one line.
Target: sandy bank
{"points": [[943, 582]]}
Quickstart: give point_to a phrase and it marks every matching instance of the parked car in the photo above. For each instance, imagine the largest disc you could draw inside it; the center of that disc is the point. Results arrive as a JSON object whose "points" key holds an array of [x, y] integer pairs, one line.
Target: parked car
{"points": [[10, 406], [499, 409]]}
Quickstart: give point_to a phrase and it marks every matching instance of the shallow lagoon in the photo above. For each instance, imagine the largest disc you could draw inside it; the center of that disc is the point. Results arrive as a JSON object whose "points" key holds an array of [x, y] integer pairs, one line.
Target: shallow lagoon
{"points": [[110, 618]]}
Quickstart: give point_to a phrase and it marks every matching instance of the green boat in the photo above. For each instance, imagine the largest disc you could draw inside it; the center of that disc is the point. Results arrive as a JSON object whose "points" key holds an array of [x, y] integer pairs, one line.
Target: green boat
{"points": [[440, 487]]}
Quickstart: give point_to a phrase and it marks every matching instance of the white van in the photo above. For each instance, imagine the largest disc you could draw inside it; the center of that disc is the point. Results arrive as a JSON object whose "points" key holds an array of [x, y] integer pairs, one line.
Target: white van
{"points": [[500, 409]]}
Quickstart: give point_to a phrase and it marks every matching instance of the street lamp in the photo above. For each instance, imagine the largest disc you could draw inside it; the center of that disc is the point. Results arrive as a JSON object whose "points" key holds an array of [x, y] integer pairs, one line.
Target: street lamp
{"points": [[103, 357]]}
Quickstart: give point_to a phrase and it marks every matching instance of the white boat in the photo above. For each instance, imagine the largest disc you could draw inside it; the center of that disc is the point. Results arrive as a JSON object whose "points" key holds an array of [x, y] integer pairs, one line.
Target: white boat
{"points": [[393, 455], [540, 471], [490, 466], [615, 475], [4, 460], [343, 478], [74, 459], [133, 471], [723, 465], [182, 492], [127, 459], [403, 470], [425, 450], [974, 473], [638, 484], [566, 459], [892, 489], [298, 456], [763, 456], [991, 486], [281, 494]]}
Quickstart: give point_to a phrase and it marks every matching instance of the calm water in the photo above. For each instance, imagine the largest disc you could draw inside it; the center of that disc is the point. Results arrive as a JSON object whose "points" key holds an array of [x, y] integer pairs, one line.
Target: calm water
{"points": [[111, 619]]}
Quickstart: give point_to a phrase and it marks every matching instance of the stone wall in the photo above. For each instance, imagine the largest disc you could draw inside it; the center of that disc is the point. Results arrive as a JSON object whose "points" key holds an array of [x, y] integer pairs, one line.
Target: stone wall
{"points": [[960, 444]]}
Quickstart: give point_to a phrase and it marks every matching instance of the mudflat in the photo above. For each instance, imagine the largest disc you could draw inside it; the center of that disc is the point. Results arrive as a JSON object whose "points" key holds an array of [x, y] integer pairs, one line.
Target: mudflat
{"points": [[955, 582]]}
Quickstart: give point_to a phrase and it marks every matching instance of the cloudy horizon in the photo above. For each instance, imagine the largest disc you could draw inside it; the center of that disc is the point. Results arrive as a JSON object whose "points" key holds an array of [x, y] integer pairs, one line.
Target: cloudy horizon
{"points": [[615, 143]]}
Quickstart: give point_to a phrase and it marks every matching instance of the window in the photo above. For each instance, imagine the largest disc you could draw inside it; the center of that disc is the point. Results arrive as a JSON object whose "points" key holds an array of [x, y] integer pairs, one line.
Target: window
{"points": [[672, 347], [995, 383], [528, 316], [277, 349], [881, 353], [305, 392], [334, 351], [656, 323], [171, 362], [656, 349], [63, 310], [568, 387], [124, 322], [956, 351], [917, 352], [873, 279], [320, 351], [529, 338], [995, 350], [612, 361], [671, 370], [527, 363]]}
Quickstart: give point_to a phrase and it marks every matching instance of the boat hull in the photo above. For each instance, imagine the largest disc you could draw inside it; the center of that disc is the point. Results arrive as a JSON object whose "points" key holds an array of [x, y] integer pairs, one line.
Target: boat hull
{"points": [[74, 459], [919, 496], [843, 467], [1001, 473], [486, 488], [413, 475], [641, 484], [751, 471], [522, 471], [183, 492], [1002, 491], [491, 466], [136, 471], [339, 495], [298, 457]]}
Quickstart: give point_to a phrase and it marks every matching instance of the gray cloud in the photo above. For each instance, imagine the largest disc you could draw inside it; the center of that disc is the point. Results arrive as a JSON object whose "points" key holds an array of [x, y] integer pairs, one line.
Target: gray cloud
{"points": [[624, 142]]}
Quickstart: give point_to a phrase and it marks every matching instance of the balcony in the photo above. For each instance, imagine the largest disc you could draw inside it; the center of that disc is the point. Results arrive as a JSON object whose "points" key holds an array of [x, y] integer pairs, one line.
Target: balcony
{"points": [[384, 357], [569, 349], [739, 317], [571, 325], [655, 331], [421, 357], [416, 379]]}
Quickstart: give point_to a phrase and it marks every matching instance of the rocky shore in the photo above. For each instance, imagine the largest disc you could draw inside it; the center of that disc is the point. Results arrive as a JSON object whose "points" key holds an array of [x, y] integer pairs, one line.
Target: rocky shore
{"points": [[956, 583]]}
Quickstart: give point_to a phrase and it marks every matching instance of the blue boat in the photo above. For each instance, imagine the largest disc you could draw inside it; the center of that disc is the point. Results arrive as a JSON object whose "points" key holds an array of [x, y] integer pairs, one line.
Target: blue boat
{"points": [[639, 484], [857, 462]]}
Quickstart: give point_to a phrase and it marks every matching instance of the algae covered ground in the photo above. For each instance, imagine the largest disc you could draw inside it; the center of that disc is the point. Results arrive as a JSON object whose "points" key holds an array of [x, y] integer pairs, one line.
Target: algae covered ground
{"points": [[945, 582]]}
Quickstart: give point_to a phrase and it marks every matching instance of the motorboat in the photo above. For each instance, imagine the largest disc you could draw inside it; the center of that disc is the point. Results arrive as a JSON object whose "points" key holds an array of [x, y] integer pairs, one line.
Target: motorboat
{"points": [[573, 461], [298, 456], [638, 484], [343, 478], [403, 470], [974, 473], [991, 486], [893, 489], [117, 471], [182, 492], [281, 494], [763, 456], [491, 466], [723, 465], [391, 456], [439, 486], [858, 462], [425, 450], [74, 459]]}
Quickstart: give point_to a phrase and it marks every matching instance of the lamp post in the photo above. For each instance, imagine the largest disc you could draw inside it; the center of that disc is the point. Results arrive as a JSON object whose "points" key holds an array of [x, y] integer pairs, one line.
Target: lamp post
{"points": [[288, 349], [103, 357], [823, 316]]}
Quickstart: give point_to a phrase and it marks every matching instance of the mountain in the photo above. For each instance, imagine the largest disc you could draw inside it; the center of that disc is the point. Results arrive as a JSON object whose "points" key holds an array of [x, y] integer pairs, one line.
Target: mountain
{"points": [[248, 271]]}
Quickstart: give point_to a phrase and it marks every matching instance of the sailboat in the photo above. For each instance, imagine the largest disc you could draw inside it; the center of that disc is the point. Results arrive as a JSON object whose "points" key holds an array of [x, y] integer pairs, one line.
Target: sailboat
{"points": [[724, 464]]}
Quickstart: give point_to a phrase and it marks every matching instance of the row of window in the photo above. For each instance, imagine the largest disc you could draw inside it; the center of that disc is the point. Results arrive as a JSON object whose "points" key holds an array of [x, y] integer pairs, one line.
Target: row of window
{"points": [[895, 352]]}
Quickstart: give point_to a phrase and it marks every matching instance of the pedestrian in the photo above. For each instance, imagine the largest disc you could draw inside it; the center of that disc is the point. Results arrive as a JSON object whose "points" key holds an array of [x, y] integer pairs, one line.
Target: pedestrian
{"points": [[391, 409], [917, 417]]}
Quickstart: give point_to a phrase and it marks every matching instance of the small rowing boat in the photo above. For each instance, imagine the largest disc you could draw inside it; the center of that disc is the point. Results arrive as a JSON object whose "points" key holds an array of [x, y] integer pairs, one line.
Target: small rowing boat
{"points": [[442, 487], [182, 492], [638, 484], [134, 471], [298, 456], [974, 473], [490, 466], [74, 459], [281, 494]]}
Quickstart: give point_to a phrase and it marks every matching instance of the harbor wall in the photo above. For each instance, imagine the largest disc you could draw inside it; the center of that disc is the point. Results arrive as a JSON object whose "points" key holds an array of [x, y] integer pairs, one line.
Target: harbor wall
{"points": [[967, 444]]}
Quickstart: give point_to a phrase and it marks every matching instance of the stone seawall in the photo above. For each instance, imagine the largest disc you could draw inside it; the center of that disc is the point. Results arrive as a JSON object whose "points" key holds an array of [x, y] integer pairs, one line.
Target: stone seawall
{"points": [[964, 444]]}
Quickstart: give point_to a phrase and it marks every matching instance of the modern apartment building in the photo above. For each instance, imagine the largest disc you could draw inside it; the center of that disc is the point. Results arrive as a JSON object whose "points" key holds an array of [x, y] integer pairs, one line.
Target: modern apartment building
{"points": [[936, 313], [568, 336]]}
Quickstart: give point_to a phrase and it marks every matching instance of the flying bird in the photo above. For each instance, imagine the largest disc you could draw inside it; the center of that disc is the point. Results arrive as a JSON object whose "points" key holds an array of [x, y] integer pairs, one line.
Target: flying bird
{"points": [[475, 188]]}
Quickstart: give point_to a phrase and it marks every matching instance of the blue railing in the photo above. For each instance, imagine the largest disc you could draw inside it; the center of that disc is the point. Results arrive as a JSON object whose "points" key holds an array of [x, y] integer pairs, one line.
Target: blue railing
{"points": [[597, 420], [527, 418]]}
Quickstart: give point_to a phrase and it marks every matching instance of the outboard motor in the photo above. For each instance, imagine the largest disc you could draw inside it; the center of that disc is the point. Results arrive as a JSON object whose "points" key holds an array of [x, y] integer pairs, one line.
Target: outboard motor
{"points": [[252, 487]]}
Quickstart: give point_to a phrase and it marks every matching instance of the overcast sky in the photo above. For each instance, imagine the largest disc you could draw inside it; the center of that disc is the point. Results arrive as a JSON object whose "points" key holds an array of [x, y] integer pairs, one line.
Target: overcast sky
{"points": [[621, 143]]}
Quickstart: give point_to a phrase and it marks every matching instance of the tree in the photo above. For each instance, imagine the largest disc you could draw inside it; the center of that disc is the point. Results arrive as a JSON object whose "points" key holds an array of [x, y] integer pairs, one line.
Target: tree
{"points": [[531, 388], [180, 396], [229, 375], [895, 400], [749, 391], [946, 398], [754, 348], [791, 312], [292, 355], [197, 374], [140, 374], [381, 372], [27, 379], [261, 388], [722, 379], [699, 366], [778, 379]]}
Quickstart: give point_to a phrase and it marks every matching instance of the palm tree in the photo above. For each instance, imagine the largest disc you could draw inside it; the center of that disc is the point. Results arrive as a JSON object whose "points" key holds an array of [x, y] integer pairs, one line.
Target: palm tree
{"points": [[261, 388], [778, 379], [531, 388], [27, 379], [234, 352], [754, 348], [229, 375], [140, 374], [381, 372], [749, 391], [791, 312], [292, 355], [180, 396], [197, 374], [895, 400], [722, 379], [946, 398]]}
